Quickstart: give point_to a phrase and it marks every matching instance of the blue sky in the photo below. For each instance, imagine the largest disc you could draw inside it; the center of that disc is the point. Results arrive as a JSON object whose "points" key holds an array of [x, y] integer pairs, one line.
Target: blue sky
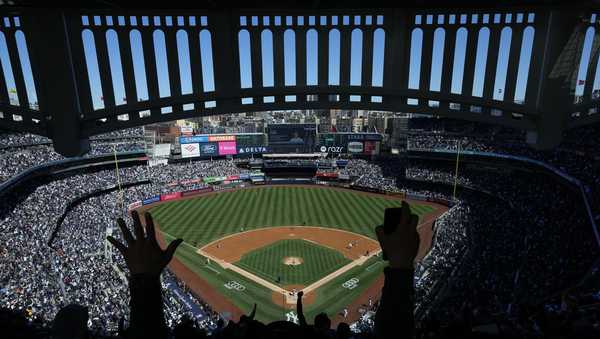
{"points": [[267, 62]]}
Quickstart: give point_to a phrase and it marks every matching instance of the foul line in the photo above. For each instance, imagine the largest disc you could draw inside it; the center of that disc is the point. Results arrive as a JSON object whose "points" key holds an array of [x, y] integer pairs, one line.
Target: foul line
{"points": [[212, 269], [358, 262], [244, 273], [370, 268]]}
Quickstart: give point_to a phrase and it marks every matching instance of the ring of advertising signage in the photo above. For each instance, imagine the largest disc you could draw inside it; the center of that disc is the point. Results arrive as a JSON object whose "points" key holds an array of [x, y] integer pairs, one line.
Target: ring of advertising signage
{"points": [[252, 149], [150, 200], [331, 149], [219, 137], [209, 149], [355, 147], [193, 139], [227, 148], [170, 196], [190, 150], [370, 147]]}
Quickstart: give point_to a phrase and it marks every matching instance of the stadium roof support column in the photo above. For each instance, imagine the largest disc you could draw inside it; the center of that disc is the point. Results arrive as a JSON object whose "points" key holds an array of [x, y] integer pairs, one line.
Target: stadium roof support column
{"points": [[552, 93], [59, 89], [226, 64], [395, 75]]}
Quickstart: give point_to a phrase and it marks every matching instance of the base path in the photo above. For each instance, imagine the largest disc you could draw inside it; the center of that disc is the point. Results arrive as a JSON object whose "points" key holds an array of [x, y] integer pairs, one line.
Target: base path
{"points": [[232, 247]]}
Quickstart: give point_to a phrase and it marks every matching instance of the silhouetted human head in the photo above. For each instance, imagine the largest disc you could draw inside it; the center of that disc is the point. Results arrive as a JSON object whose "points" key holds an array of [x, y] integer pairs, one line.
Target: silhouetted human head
{"points": [[343, 331], [186, 330], [70, 322], [220, 323], [322, 322]]}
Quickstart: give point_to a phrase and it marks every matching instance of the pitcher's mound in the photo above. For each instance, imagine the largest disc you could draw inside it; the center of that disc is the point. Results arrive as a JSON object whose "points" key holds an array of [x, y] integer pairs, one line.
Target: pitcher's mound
{"points": [[292, 261]]}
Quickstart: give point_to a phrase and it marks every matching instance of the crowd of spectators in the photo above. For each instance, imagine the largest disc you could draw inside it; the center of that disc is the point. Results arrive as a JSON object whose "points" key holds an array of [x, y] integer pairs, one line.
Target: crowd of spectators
{"points": [[577, 155], [514, 239], [77, 268], [20, 151]]}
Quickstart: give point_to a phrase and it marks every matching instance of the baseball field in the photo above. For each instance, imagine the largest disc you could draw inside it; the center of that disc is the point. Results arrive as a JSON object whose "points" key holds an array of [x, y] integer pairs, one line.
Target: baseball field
{"points": [[260, 244]]}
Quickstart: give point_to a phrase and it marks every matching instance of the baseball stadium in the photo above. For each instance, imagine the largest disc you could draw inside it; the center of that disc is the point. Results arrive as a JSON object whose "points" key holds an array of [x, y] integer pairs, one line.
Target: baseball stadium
{"points": [[300, 169], [258, 245]]}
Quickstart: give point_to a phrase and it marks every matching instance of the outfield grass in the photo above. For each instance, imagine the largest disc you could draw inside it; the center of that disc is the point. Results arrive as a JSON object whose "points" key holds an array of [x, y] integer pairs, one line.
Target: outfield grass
{"points": [[267, 262], [204, 219], [207, 218]]}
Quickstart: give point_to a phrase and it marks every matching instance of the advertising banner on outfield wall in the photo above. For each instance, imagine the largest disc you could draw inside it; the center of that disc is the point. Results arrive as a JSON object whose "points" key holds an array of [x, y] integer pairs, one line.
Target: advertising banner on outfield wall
{"points": [[196, 192], [189, 182], [170, 196], [208, 180], [190, 150], [244, 176], [233, 177], [151, 200], [135, 205]]}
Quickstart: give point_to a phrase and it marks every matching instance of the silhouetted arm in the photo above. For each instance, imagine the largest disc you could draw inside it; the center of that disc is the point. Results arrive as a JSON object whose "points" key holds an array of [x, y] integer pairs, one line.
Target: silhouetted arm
{"points": [[395, 317], [147, 318], [145, 261], [301, 318]]}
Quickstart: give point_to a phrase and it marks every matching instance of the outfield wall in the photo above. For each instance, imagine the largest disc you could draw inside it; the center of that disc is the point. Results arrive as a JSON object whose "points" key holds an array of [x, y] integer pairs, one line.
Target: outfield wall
{"points": [[187, 193]]}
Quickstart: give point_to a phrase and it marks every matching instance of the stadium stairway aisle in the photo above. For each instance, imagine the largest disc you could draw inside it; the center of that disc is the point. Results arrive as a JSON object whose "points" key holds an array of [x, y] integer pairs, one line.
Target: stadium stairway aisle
{"points": [[198, 313]]}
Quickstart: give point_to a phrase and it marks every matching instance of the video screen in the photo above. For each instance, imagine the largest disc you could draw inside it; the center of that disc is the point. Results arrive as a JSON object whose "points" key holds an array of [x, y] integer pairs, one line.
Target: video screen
{"points": [[292, 138]]}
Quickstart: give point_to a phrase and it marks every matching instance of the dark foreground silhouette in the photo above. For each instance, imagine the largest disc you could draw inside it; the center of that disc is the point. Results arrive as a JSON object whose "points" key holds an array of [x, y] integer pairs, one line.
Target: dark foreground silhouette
{"points": [[394, 318]]}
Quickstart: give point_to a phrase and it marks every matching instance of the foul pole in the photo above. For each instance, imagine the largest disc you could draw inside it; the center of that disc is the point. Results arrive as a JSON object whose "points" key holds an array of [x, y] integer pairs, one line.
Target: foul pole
{"points": [[120, 196], [456, 170]]}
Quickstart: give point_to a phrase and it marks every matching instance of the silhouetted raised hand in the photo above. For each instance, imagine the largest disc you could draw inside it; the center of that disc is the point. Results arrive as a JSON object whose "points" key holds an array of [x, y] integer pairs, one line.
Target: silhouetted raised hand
{"points": [[399, 239], [145, 260], [143, 255], [402, 244]]}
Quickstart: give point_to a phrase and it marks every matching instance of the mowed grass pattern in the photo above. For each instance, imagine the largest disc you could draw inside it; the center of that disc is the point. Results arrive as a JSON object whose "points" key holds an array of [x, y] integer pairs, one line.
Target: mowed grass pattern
{"points": [[267, 262], [207, 218]]}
